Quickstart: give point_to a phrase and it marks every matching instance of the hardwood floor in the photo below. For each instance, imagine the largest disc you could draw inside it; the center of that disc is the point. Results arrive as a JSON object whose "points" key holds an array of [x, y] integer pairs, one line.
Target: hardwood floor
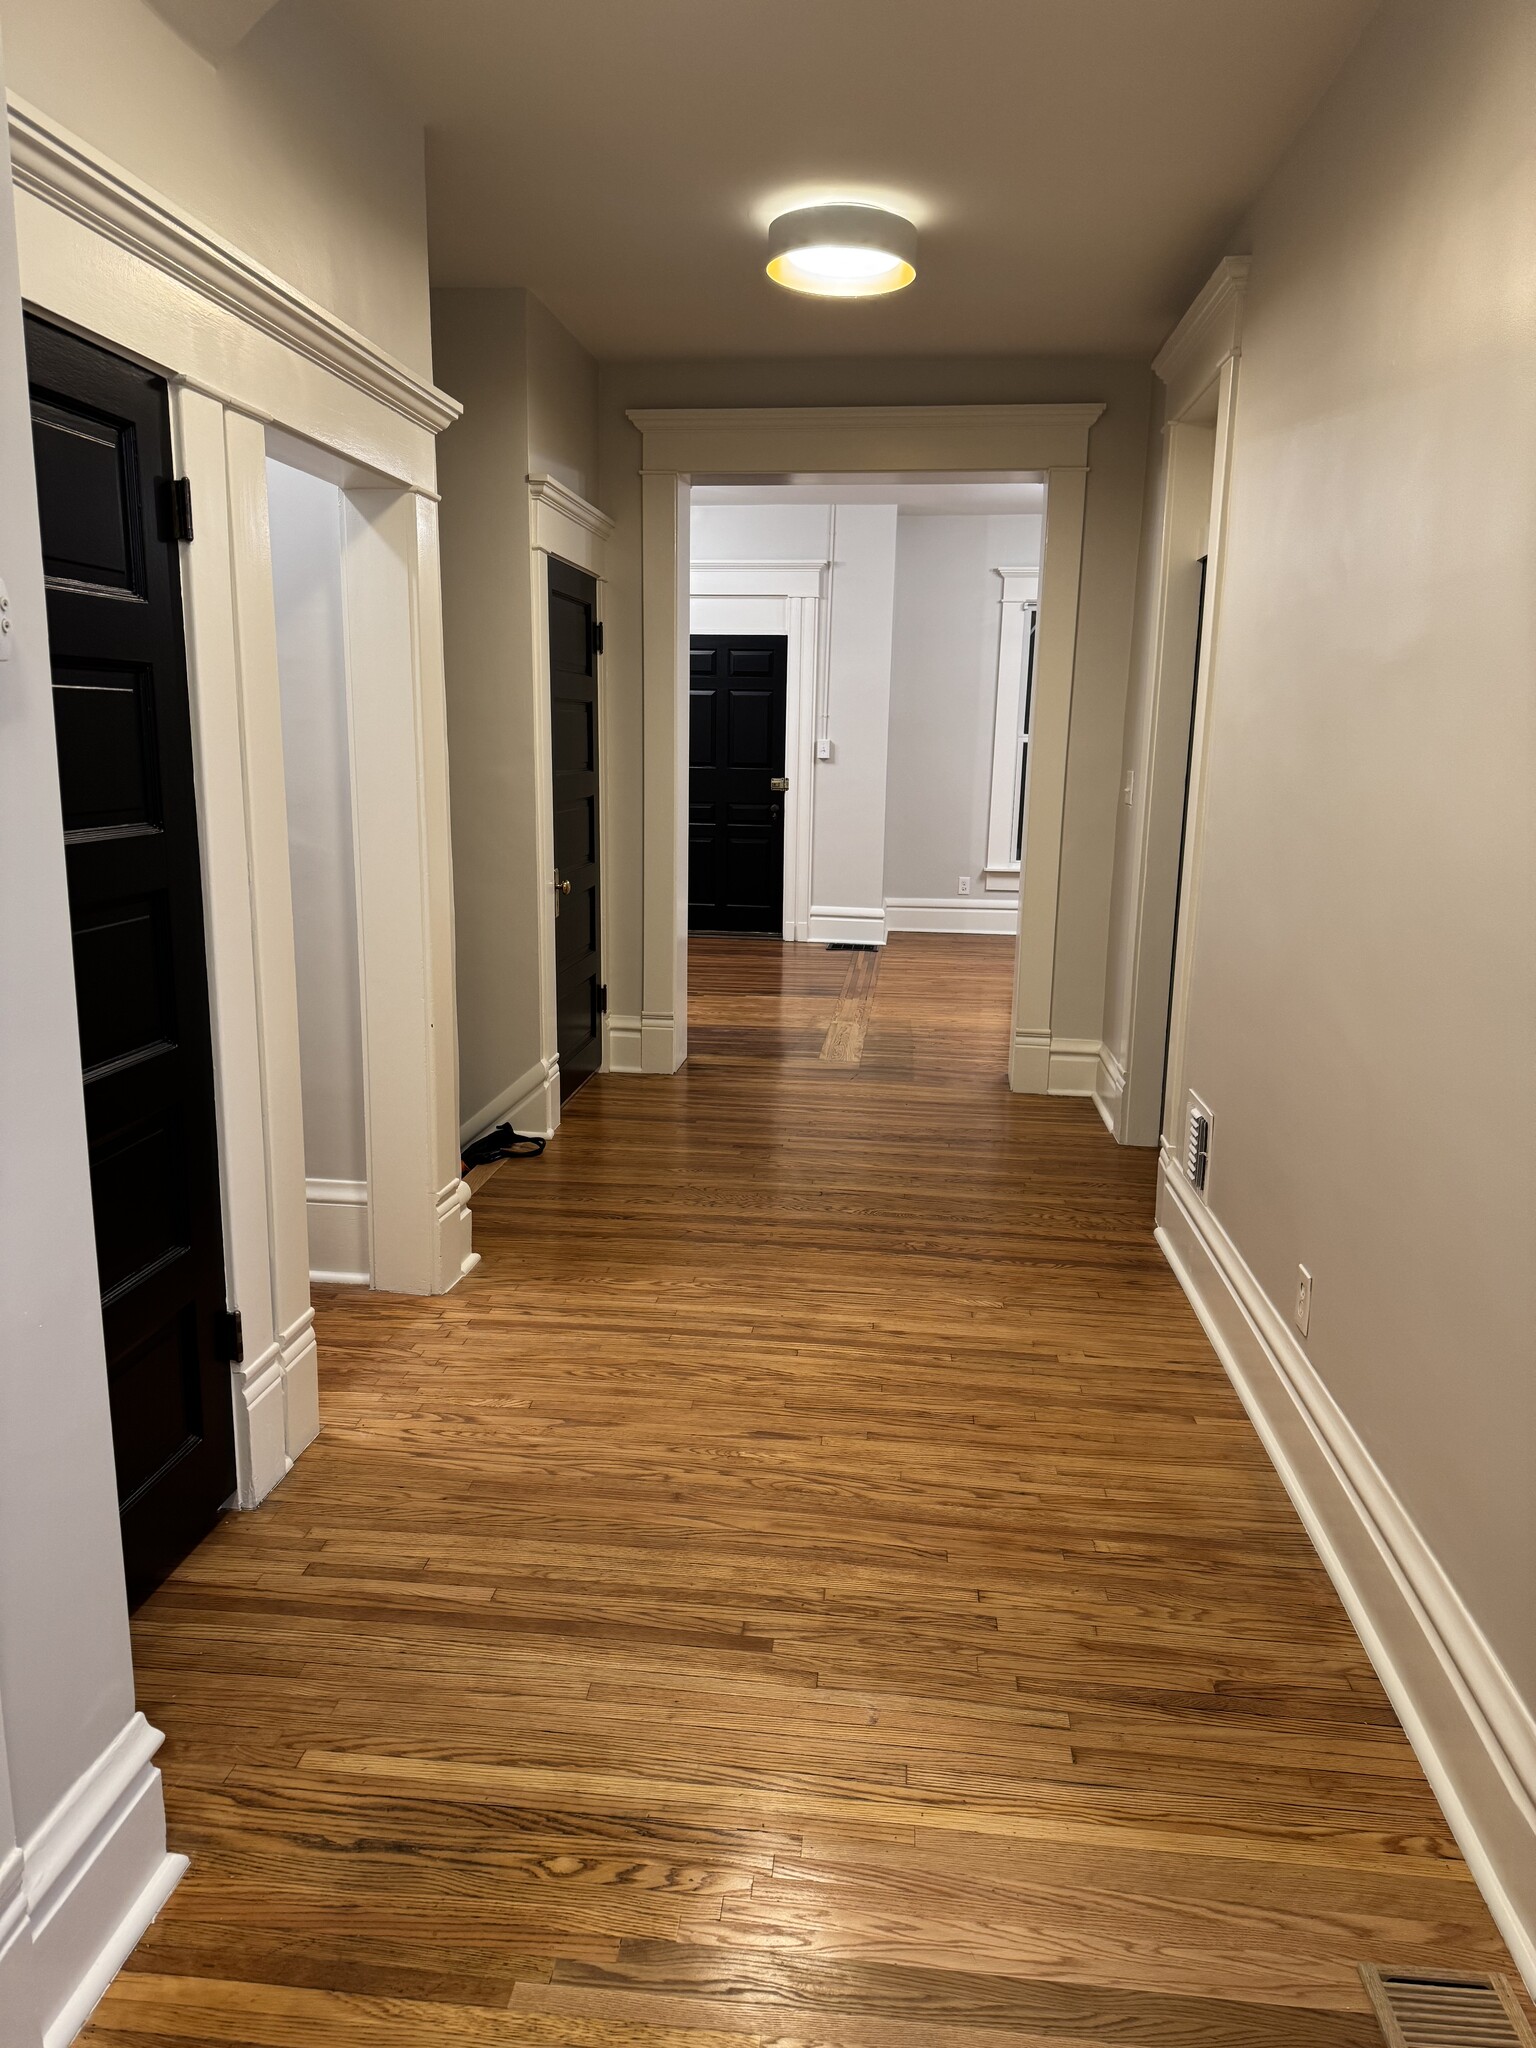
{"points": [[812, 1583]]}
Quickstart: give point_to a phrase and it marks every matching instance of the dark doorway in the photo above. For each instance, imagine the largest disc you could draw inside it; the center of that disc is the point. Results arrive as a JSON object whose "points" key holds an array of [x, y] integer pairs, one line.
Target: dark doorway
{"points": [[1189, 761], [102, 442], [580, 997], [736, 782]]}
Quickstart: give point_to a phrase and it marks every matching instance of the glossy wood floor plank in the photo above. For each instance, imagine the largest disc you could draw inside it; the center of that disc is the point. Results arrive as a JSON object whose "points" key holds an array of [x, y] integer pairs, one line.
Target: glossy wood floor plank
{"points": [[812, 1582]]}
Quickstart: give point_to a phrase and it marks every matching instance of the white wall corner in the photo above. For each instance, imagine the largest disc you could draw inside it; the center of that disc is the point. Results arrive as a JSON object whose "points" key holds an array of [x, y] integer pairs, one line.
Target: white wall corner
{"points": [[621, 1045], [951, 914], [1108, 1090], [95, 1873], [1029, 1063], [530, 1104], [847, 924], [1471, 1731], [261, 1443]]}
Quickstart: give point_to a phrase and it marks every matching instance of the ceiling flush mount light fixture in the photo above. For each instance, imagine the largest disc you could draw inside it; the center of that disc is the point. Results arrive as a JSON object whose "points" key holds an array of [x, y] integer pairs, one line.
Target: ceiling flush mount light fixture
{"points": [[842, 251]]}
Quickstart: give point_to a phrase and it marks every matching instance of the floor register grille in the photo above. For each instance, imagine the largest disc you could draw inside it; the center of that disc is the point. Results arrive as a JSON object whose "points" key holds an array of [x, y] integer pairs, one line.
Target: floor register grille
{"points": [[1440, 2009]]}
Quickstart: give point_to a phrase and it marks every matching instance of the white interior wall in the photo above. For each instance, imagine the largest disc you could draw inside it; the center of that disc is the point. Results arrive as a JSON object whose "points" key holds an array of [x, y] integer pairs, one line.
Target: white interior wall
{"points": [[290, 147], [82, 1803], [948, 621], [1364, 921], [305, 516]]}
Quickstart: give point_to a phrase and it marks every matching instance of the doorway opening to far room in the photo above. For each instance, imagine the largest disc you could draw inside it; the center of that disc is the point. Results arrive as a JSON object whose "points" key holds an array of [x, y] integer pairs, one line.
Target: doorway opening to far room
{"points": [[860, 697], [307, 519]]}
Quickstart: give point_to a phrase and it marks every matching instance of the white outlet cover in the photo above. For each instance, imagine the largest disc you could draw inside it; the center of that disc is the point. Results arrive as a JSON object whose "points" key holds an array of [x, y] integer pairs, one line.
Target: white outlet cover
{"points": [[965, 885], [1303, 1299]]}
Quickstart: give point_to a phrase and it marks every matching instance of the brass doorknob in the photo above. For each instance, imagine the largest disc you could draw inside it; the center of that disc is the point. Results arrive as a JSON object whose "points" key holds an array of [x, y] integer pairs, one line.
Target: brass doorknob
{"points": [[564, 888]]}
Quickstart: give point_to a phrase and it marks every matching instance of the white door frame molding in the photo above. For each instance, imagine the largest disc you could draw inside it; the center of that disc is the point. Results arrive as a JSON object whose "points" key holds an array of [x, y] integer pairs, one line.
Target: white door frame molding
{"points": [[1018, 597], [1199, 368], [722, 444], [562, 525], [254, 367], [802, 586]]}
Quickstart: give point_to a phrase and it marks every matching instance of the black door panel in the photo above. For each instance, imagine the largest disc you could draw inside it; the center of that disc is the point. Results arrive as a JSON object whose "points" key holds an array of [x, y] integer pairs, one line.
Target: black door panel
{"points": [[573, 751], [736, 716], [101, 438]]}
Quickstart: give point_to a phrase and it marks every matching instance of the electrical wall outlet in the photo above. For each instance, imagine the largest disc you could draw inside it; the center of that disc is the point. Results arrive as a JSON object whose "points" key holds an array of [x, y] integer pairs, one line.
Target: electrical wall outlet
{"points": [[823, 750], [1303, 1299], [965, 885]]}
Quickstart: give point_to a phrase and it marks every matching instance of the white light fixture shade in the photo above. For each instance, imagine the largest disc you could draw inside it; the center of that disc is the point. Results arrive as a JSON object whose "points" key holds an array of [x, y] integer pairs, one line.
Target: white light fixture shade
{"points": [[843, 251]]}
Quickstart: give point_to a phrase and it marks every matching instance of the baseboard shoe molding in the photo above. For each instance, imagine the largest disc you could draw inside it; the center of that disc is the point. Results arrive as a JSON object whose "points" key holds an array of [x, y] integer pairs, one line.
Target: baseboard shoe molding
{"points": [[531, 1105], [1109, 1090], [95, 1871], [1474, 1736], [1074, 1062], [839, 924], [621, 1046], [952, 914], [338, 1232]]}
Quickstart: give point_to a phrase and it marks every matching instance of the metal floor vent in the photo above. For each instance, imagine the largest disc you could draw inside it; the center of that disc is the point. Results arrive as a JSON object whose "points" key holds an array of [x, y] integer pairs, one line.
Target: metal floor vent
{"points": [[1445, 2009], [847, 946]]}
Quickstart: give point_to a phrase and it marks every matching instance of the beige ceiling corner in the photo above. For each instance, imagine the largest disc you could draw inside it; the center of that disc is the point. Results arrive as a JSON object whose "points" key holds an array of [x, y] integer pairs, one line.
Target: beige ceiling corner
{"points": [[213, 26]]}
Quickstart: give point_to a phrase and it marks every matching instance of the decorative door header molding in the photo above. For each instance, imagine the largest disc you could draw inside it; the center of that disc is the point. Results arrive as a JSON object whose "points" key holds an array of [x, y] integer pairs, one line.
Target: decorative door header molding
{"points": [[67, 173]]}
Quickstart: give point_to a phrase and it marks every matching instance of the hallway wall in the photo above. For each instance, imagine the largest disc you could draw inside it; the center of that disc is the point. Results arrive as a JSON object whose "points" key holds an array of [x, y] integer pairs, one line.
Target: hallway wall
{"points": [[292, 148], [1363, 987], [1117, 457], [529, 396]]}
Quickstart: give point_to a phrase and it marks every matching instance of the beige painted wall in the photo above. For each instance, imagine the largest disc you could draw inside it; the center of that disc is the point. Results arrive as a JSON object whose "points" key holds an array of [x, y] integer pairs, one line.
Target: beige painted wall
{"points": [[1364, 964], [1117, 456], [290, 148], [529, 405]]}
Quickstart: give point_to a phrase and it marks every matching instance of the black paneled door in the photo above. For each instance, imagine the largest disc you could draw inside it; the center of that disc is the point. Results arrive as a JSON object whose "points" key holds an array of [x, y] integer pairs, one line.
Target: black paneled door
{"points": [[736, 782], [579, 994], [101, 435]]}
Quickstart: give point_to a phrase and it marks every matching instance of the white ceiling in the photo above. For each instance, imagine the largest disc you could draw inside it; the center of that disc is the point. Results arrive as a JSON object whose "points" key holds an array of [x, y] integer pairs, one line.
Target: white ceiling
{"points": [[1075, 166], [969, 495]]}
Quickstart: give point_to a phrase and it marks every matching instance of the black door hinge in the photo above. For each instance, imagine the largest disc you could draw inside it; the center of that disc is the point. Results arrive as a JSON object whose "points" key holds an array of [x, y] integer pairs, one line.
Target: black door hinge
{"points": [[602, 999], [597, 636], [228, 1336], [176, 508]]}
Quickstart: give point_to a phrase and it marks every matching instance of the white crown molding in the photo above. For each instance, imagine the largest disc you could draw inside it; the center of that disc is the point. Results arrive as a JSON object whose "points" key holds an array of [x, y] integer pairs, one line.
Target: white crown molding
{"points": [[558, 497], [66, 173], [1020, 585], [1210, 332]]}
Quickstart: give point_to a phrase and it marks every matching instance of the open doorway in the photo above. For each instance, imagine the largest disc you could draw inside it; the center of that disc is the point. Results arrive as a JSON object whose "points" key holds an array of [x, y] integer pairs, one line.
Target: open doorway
{"points": [[306, 517], [860, 699]]}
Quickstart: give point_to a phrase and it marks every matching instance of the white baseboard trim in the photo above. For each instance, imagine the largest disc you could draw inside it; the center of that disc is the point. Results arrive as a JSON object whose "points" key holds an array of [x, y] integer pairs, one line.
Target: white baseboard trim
{"points": [[621, 1045], [1109, 1090], [119, 1945], [301, 1385], [659, 1049], [531, 1105], [1029, 1063], [456, 1255], [1473, 1734], [95, 1871], [261, 1445], [339, 1252], [952, 914], [1074, 1063], [840, 924]]}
